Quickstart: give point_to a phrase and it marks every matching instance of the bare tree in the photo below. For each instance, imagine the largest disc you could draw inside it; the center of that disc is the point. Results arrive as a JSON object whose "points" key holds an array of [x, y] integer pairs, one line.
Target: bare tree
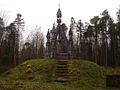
{"points": [[4, 14], [34, 45]]}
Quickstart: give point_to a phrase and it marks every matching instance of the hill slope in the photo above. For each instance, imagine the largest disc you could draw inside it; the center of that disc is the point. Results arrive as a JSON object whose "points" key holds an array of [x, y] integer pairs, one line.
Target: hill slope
{"points": [[83, 75]]}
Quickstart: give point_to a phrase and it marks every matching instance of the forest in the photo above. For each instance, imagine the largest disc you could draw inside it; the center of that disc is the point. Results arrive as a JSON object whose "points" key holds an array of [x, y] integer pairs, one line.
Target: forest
{"points": [[13, 49], [97, 40]]}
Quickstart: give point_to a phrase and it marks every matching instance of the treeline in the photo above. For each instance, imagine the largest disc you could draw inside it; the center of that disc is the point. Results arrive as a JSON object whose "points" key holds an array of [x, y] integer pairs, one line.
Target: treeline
{"points": [[13, 49], [99, 40], [33, 47]]}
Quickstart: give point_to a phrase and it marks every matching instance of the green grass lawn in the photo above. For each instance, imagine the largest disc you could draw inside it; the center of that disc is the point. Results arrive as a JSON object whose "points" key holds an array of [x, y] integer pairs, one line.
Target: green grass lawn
{"points": [[83, 75]]}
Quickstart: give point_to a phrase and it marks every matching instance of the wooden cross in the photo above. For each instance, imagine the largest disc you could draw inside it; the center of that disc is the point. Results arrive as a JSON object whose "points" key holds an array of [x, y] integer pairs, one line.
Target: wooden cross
{"points": [[59, 5]]}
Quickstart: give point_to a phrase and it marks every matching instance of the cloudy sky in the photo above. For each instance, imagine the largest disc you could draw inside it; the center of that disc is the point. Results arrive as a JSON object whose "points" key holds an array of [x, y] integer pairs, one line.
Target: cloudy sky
{"points": [[43, 12]]}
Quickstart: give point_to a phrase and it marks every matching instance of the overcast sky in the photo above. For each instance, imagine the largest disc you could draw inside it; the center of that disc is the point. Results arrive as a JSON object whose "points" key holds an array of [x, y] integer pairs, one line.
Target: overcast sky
{"points": [[43, 12]]}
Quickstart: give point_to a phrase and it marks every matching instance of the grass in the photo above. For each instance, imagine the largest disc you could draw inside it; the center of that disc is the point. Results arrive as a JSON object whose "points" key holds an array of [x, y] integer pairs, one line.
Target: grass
{"points": [[83, 75], [87, 74]]}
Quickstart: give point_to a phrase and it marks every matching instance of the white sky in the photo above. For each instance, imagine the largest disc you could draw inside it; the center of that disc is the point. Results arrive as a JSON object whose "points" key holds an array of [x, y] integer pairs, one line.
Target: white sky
{"points": [[43, 12]]}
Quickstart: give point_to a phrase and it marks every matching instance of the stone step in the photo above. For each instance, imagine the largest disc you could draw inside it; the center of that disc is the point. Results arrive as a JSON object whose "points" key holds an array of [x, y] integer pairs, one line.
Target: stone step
{"points": [[61, 71], [62, 74], [63, 54], [62, 66], [64, 69], [62, 57], [66, 61], [61, 79], [63, 60], [62, 63]]}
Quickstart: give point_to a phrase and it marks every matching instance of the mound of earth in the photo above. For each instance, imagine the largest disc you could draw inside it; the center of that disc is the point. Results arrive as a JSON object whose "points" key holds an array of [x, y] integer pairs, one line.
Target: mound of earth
{"points": [[83, 75]]}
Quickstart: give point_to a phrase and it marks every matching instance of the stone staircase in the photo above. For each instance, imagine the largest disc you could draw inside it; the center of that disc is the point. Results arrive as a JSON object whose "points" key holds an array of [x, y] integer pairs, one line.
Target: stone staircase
{"points": [[62, 67]]}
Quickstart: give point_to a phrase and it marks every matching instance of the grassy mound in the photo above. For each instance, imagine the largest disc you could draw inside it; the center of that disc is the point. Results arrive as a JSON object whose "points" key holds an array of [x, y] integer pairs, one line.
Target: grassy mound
{"points": [[86, 74], [42, 70], [83, 75]]}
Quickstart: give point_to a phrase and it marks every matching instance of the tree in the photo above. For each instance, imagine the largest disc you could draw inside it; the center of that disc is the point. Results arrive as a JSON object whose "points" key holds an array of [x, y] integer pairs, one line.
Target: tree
{"points": [[103, 27], [2, 30], [19, 22], [95, 31], [117, 40], [12, 44], [79, 37], [5, 16], [34, 45], [113, 43]]}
